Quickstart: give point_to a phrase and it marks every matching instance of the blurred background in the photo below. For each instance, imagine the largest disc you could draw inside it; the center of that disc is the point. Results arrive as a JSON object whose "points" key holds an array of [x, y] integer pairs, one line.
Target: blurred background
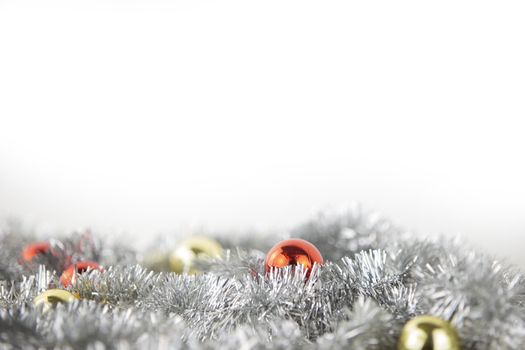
{"points": [[147, 117]]}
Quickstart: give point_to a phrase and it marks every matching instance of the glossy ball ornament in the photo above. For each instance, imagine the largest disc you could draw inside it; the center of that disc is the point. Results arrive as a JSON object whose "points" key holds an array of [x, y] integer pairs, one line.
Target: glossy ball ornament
{"points": [[32, 250], [428, 333], [189, 251], [293, 252], [157, 261], [68, 277], [51, 297]]}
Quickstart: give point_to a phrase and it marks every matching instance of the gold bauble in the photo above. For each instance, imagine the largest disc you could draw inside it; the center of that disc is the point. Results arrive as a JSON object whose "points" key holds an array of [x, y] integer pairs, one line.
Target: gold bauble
{"points": [[157, 261], [187, 252], [428, 333], [51, 297]]}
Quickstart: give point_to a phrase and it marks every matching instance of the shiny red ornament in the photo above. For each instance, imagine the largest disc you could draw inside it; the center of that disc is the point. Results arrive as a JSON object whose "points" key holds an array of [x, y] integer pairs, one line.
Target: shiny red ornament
{"points": [[69, 275], [293, 252], [34, 249]]}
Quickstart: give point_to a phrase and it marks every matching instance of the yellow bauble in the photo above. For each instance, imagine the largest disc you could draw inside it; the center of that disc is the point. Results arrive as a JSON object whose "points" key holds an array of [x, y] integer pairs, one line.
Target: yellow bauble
{"points": [[157, 261], [428, 333], [183, 258], [51, 297]]}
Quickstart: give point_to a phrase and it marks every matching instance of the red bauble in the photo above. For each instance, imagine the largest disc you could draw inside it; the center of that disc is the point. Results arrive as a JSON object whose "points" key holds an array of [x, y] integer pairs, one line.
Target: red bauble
{"points": [[293, 252], [34, 249], [69, 275]]}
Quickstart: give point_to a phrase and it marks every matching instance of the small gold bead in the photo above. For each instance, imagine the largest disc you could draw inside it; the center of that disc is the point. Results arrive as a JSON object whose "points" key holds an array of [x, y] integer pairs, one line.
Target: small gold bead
{"points": [[51, 297], [183, 258], [428, 333]]}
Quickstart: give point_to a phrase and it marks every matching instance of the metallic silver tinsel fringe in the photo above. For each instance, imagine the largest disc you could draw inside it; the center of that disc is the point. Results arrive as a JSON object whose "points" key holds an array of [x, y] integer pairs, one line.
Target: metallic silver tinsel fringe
{"points": [[375, 278]]}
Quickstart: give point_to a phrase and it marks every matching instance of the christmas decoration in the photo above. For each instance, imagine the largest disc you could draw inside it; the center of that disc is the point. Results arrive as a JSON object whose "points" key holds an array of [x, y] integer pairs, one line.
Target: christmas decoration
{"points": [[69, 275], [375, 282], [428, 332], [293, 252], [34, 249], [189, 251], [53, 296], [157, 261]]}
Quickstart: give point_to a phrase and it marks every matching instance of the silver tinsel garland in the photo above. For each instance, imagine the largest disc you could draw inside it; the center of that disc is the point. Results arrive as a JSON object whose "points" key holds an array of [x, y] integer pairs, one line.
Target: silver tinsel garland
{"points": [[375, 278]]}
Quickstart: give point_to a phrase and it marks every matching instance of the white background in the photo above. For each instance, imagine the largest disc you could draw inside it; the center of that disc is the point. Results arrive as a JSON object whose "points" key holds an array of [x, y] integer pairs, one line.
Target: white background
{"points": [[153, 116]]}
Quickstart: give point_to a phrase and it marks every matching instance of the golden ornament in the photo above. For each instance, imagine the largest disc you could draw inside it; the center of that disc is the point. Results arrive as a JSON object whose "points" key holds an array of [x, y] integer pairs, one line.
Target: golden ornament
{"points": [[157, 261], [183, 258], [51, 297], [428, 333]]}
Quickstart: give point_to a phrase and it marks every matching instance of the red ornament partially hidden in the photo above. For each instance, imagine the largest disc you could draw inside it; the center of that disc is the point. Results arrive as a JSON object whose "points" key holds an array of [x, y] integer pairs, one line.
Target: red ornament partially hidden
{"points": [[69, 275], [293, 252], [34, 249]]}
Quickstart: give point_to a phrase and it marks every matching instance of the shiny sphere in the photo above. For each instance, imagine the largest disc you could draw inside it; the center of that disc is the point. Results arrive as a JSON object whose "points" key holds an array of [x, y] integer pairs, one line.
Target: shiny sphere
{"points": [[68, 277], [34, 249], [157, 261], [51, 297], [293, 252], [428, 333], [189, 251]]}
